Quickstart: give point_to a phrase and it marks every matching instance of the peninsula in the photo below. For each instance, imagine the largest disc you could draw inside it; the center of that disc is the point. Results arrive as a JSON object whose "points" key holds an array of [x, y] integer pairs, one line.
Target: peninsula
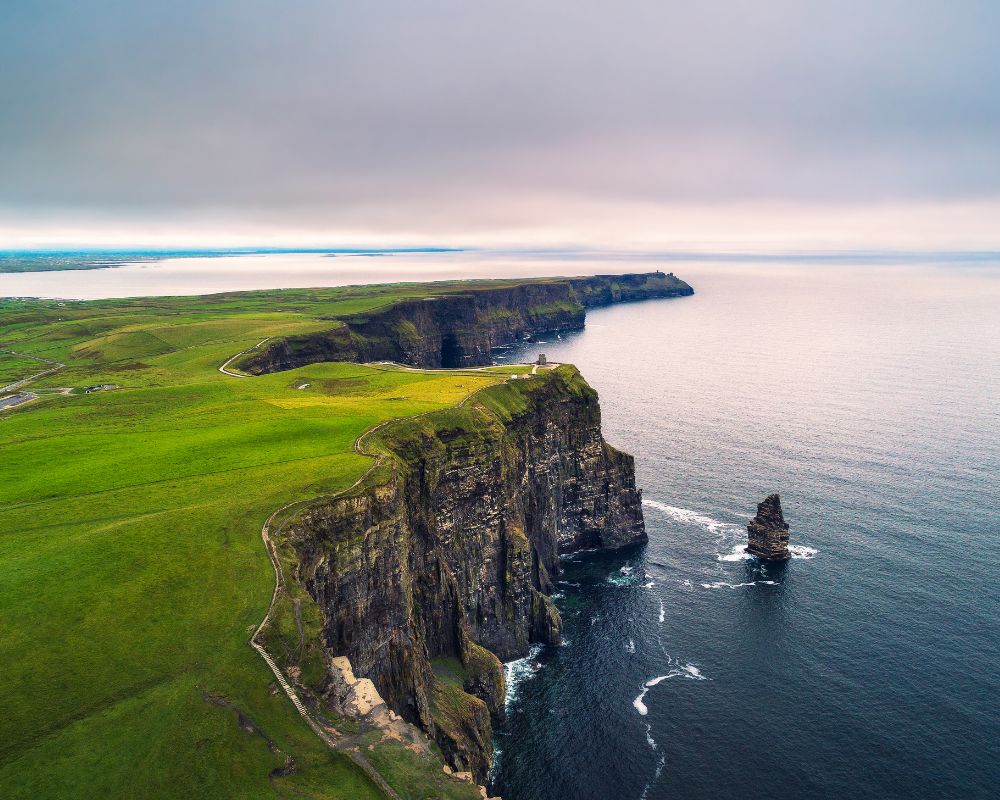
{"points": [[412, 520]]}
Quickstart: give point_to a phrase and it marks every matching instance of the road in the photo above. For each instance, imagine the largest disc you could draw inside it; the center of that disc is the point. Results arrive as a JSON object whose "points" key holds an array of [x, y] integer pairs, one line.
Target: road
{"points": [[13, 387], [15, 400]]}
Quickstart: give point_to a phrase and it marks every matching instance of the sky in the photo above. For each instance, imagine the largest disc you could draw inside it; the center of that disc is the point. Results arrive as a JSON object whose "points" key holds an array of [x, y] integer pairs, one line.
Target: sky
{"points": [[768, 125]]}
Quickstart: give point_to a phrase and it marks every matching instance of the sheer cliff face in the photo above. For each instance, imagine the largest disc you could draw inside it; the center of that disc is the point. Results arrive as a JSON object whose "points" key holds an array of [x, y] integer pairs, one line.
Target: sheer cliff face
{"points": [[461, 329], [451, 558]]}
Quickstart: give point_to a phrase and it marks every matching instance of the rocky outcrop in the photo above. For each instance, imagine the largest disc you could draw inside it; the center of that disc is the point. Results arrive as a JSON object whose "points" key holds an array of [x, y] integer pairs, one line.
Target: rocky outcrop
{"points": [[767, 533], [604, 290], [348, 695], [442, 566], [459, 327]]}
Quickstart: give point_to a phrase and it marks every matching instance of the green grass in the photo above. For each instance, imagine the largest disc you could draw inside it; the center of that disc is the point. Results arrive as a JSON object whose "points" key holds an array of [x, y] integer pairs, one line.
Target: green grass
{"points": [[133, 569], [13, 368], [450, 670], [406, 772]]}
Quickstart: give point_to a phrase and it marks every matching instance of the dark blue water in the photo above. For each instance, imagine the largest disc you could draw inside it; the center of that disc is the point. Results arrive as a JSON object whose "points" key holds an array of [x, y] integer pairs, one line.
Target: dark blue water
{"points": [[866, 667]]}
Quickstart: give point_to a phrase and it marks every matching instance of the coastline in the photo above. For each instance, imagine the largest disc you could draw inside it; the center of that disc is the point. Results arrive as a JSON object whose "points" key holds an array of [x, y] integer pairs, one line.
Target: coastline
{"points": [[285, 428]]}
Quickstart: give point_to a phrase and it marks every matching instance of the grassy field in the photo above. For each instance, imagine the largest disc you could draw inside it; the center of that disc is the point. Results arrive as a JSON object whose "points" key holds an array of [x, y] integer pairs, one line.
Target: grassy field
{"points": [[133, 569], [14, 368]]}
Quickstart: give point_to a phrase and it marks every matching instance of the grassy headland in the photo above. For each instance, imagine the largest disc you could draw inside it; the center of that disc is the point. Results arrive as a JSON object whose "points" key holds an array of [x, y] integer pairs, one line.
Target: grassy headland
{"points": [[132, 560], [132, 495]]}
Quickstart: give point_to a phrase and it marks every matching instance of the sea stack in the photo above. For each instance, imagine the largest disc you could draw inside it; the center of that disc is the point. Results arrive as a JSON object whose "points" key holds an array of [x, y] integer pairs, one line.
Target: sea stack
{"points": [[767, 533]]}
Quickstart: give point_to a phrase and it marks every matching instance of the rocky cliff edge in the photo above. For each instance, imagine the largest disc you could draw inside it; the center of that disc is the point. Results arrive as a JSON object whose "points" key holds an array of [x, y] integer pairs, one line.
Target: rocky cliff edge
{"points": [[440, 565]]}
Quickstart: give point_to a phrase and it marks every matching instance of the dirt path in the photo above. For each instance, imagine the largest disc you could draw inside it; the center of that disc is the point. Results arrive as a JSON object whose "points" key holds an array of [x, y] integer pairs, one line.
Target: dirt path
{"points": [[224, 369], [346, 745], [343, 746]]}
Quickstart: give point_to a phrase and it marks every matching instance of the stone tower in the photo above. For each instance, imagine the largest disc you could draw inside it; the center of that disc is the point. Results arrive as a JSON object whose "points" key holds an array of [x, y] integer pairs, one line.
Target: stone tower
{"points": [[767, 533]]}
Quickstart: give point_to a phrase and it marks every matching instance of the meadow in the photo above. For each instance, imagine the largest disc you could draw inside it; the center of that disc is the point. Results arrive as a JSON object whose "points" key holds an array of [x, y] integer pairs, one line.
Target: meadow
{"points": [[133, 568]]}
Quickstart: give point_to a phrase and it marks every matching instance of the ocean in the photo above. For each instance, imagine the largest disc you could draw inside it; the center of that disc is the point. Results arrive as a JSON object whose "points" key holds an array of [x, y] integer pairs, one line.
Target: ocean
{"points": [[868, 666]]}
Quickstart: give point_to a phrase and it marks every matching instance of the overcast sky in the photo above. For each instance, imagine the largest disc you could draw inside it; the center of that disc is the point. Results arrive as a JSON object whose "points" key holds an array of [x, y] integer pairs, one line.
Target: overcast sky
{"points": [[612, 123]]}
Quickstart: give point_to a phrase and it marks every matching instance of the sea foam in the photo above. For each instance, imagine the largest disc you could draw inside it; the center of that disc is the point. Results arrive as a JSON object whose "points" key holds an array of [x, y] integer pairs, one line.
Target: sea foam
{"points": [[738, 553], [725, 585], [517, 672], [689, 671], [690, 517]]}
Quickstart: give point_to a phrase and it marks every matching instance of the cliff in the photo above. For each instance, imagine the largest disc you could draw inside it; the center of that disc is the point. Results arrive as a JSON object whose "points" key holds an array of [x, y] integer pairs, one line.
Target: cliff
{"points": [[440, 566], [460, 327]]}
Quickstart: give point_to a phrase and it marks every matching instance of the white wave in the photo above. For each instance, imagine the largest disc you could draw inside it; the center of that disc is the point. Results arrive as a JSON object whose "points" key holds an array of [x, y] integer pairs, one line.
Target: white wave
{"points": [[518, 671], [690, 517], [724, 585], [630, 647], [649, 585], [689, 671], [593, 619], [626, 570], [728, 534], [656, 776], [497, 759], [649, 737], [639, 705], [803, 552], [663, 613], [738, 553]]}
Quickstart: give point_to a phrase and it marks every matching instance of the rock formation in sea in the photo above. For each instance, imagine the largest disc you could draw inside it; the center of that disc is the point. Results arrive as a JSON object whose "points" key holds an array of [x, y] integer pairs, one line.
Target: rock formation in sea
{"points": [[767, 533]]}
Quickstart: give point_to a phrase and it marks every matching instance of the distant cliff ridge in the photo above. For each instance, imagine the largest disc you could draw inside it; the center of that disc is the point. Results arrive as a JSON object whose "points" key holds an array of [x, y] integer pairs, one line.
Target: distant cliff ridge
{"points": [[441, 567], [461, 329]]}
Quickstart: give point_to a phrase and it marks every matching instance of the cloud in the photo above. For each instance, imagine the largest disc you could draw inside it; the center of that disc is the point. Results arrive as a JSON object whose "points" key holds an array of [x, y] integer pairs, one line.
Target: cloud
{"points": [[456, 117]]}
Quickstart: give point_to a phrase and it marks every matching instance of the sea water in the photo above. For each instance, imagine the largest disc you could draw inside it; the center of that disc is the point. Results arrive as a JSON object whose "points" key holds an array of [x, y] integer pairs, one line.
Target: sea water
{"points": [[868, 666]]}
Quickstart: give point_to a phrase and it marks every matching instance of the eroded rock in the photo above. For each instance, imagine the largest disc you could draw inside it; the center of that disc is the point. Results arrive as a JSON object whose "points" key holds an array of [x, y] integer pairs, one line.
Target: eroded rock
{"points": [[767, 533], [351, 696]]}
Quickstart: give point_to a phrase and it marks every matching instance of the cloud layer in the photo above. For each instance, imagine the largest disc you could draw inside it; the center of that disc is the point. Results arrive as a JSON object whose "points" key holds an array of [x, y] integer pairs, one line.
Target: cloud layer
{"points": [[455, 118]]}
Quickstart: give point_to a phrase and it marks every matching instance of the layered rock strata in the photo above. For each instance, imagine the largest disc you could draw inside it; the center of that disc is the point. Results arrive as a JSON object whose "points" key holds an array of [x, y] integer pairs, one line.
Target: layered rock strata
{"points": [[460, 328], [441, 567], [767, 533]]}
